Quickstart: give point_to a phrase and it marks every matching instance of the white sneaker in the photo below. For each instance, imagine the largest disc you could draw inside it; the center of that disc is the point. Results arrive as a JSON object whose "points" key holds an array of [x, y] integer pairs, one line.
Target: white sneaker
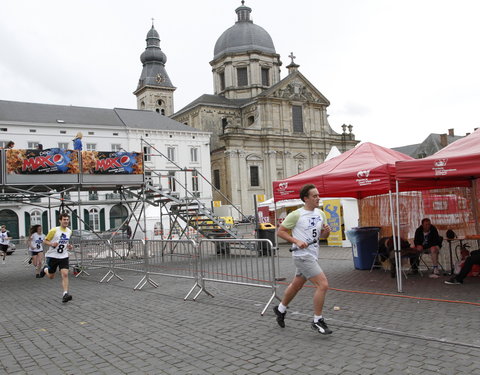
{"points": [[436, 271], [433, 276]]}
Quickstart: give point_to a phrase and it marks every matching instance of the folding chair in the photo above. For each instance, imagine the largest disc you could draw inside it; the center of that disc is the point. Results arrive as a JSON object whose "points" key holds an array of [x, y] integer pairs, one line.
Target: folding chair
{"points": [[427, 251]]}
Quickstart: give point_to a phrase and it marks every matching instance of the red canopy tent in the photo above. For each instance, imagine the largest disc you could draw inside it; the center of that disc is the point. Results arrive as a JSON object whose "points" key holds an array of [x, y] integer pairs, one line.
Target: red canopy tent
{"points": [[363, 171], [455, 165]]}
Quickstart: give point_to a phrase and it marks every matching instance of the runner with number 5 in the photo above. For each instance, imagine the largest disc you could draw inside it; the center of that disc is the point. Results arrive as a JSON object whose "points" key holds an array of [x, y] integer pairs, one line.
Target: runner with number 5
{"points": [[57, 253]]}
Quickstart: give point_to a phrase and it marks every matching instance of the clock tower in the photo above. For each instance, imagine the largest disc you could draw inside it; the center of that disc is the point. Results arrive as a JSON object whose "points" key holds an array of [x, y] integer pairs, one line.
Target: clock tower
{"points": [[155, 90]]}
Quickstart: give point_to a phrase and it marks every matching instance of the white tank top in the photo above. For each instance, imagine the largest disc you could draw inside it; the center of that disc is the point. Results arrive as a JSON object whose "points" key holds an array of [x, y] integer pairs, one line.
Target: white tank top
{"points": [[36, 242], [4, 238], [62, 237]]}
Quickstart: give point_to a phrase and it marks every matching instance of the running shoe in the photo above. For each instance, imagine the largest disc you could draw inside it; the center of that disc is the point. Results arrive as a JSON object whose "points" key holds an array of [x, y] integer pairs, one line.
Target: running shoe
{"points": [[66, 297], [42, 271], [280, 316], [453, 281], [321, 327]]}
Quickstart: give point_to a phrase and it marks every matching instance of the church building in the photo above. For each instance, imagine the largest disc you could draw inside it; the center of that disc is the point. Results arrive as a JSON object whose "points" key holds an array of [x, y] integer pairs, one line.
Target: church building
{"points": [[264, 128]]}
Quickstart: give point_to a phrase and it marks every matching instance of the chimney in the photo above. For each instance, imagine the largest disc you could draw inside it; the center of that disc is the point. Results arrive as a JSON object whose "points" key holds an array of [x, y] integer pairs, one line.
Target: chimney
{"points": [[451, 132], [443, 140]]}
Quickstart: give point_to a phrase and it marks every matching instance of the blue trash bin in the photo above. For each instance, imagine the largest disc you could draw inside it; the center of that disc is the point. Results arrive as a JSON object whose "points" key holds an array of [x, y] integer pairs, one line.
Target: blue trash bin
{"points": [[364, 246]]}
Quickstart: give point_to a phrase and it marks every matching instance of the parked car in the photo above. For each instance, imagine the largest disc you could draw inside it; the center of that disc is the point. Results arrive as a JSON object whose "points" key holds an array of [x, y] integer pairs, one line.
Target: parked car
{"points": [[11, 248], [83, 235], [114, 234]]}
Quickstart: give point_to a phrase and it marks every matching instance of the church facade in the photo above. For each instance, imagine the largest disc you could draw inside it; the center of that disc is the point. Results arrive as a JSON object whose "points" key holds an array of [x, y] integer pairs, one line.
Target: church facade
{"points": [[264, 128]]}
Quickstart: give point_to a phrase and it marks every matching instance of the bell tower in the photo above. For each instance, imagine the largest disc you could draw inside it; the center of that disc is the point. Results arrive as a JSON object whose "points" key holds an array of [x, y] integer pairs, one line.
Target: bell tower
{"points": [[155, 90]]}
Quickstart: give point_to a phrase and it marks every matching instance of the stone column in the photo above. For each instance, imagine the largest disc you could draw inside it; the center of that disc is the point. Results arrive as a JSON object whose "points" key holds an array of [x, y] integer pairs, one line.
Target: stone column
{"points": [[271, 172]]}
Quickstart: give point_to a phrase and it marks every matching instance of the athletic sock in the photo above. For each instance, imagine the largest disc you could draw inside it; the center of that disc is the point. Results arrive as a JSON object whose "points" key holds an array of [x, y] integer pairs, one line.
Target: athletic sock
{"points": [[65, 292], [316, 318], [282, 308]]}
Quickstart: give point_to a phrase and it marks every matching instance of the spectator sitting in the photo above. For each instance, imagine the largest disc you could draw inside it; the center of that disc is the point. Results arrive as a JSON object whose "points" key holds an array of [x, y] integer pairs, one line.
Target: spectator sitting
{"points": [[427, 240], [77, 141], [386, 249], [470, 261]]}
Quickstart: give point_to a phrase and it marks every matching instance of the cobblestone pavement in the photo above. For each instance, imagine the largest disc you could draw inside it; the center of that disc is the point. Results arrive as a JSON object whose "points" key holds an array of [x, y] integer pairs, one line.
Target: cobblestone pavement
{"points": [[110, 329]]}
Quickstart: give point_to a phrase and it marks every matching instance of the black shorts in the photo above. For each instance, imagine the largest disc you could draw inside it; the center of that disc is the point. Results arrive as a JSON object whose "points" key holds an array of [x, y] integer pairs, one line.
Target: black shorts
{"points": [[33, 253], [53, 263], [4, 248]]}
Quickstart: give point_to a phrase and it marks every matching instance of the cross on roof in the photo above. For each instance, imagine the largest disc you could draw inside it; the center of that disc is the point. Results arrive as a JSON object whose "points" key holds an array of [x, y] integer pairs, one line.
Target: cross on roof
{"points": [[292, 57]]}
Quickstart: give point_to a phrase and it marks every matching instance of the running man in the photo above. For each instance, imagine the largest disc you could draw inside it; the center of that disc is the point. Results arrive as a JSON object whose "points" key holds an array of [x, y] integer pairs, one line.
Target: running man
{"points": [[57, 253], [4, 242], [307, 225], [35, 246]]}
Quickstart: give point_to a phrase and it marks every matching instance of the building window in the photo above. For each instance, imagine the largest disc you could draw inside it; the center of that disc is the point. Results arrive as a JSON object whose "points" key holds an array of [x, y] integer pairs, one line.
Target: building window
{"points": [[146, 153], [242, 77], [194, 181], [216, 178], [254, 180], [32, 145], [91, 146], [171, 153], [63, 145], [36, 218], [162, 111], [224, 124], [297, 118], [116, 147], [63, 132], [94, 219], [265, 77], [171, 181], [91, 133], [194, 155], [3, 144], [222, 81], [33, 130], [251, 120]]}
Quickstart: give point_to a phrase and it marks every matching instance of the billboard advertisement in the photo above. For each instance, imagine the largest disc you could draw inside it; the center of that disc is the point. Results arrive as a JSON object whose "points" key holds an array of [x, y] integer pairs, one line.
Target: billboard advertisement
{"points": [[112, 162], [49, 161]]}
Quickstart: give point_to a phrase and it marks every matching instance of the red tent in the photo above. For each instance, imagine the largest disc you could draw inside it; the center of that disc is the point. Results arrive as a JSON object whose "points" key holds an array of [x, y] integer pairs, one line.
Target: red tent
{"points": [[454, 165], [365, 170]]}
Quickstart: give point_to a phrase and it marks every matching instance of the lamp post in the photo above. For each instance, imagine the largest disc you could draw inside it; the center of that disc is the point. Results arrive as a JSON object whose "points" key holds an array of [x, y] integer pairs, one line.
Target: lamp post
{"points": [[344, 137]]}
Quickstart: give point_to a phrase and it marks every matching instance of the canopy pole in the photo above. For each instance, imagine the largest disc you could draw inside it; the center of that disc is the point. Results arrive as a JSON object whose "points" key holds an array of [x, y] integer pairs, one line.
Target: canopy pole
{"points": [[475, 205], [397, 253], [394, 237]]}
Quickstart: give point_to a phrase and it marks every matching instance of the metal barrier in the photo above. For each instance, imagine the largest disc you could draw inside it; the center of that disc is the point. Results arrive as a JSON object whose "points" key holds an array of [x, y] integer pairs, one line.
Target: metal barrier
{"points": [[88, 254], [174, 258], [248, 262]]}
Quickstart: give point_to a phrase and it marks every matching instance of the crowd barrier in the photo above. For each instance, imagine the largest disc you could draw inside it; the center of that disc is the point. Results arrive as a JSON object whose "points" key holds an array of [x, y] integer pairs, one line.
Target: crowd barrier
{"points": [[244, 262]]}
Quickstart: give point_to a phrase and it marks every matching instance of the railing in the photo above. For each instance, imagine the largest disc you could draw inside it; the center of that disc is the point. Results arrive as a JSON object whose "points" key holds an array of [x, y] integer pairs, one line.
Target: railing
{"points": [[245, 262]]}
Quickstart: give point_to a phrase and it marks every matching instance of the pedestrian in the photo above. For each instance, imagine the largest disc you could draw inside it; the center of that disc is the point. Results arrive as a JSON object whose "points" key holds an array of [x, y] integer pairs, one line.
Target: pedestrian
{"points": [[303, 228], [10, 144], [35, 246], [4, 242], [57, 241], [40, 147], [77, 142]]}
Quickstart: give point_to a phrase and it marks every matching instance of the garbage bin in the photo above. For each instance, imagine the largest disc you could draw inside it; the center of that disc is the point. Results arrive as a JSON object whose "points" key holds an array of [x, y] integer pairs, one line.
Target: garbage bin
{"points": [[266, 231], [364, 246]]}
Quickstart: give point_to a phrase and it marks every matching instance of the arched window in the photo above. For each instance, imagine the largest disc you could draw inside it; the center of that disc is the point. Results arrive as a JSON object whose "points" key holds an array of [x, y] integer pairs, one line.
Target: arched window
{"points": [[94, 219], [36, 218]]}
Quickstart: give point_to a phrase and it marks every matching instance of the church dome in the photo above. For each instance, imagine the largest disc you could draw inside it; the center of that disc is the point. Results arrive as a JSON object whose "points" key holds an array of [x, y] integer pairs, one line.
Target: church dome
{"points": [[243, 36]]}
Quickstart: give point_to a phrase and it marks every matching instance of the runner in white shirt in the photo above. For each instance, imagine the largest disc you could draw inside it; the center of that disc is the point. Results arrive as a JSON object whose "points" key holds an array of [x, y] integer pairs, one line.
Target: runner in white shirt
{"points": [[4, 241], [57, 254], [307, 225], [35, 246]]}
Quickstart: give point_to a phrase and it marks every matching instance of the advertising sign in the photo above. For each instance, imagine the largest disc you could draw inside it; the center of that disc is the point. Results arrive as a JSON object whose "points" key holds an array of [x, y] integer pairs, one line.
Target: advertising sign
{"points": [[49, 161], [113, 162], [332, 209]]}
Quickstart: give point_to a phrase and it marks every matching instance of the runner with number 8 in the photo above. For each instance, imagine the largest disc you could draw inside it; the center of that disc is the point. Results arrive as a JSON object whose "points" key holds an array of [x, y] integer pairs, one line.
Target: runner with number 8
{"points": [[56, 256]]}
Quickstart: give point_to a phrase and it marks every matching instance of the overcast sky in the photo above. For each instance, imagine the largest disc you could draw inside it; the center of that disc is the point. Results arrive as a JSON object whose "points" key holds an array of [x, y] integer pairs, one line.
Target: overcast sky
{"points": [[397, 70]]}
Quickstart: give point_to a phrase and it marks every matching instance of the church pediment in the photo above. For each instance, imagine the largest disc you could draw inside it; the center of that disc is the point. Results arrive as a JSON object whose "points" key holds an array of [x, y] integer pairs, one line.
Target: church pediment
{"points": [[297, 87]]}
